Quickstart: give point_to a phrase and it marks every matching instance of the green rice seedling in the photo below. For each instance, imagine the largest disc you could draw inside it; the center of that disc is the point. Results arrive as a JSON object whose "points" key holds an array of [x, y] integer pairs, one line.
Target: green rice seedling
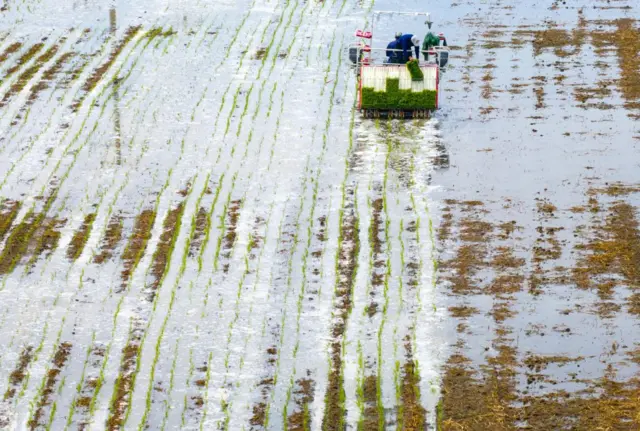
{"points": [[414, 70]]}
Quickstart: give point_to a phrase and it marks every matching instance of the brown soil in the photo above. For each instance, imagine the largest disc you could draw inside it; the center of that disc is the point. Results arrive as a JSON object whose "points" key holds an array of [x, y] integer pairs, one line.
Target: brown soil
{"points": [[11, 49], [627, 40], [202, 224], [137, 244], [259, 415], [483, 396], [376, 230], [24, 59], [371, 416], [376, 226], [112, 237], [74, 74], [49, 76], [539, 363], [198, 401], [83, 402], [17, 244], [19, 373], [411, 415], [8, 213], [80, 237], [612, 256], [233, 214], [260, 53], [444, 231], [58, 363], [34, 235], [303, 396], [479, 399], [162, 255], [124, 384], [45, 238], [265, 385], [348, 249], [99, 73], [463, 267], [463, 312], [26, 76]]}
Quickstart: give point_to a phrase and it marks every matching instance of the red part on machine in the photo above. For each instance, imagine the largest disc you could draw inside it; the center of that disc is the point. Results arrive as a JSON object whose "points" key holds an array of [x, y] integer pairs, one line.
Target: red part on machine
{"points": [[363, 34]]}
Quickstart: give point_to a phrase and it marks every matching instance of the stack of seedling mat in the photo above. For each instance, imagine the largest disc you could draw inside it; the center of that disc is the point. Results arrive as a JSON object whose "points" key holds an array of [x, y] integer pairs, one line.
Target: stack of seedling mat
{"points": [[399, 87]]}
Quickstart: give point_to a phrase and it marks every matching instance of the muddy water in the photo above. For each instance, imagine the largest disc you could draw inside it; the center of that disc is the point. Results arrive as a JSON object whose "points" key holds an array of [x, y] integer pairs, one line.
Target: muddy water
{"points": [[199, 232], [543, 147]]}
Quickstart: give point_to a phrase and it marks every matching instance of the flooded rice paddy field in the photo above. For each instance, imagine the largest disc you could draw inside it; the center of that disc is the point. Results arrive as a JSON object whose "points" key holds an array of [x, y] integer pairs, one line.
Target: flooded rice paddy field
{"points": [[199, 232]]}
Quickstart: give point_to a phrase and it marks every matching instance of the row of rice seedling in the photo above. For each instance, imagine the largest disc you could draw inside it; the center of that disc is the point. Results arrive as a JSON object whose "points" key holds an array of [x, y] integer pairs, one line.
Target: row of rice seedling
{"points": [[9, 50], [49, 386], [26, 57], [24, 73]]}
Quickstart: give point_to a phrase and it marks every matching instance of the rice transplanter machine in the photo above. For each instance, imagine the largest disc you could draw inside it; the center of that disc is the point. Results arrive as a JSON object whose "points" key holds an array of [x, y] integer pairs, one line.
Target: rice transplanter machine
{"points": [[392, 90]]}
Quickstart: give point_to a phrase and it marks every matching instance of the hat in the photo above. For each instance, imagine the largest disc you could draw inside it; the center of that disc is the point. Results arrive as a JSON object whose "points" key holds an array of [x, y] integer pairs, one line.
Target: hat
{"points": [[415, 40], [398, 34]]}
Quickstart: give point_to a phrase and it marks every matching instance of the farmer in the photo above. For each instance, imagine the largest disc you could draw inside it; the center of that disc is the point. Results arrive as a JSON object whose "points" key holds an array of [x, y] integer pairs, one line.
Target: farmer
{"points": [[394, 56], [405, 43], [431, 40]]}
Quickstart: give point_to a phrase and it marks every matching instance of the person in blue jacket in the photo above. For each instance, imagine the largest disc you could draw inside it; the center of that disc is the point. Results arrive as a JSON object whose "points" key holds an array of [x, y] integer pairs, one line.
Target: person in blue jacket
{"points": [[394, 56], [406, 42]]}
